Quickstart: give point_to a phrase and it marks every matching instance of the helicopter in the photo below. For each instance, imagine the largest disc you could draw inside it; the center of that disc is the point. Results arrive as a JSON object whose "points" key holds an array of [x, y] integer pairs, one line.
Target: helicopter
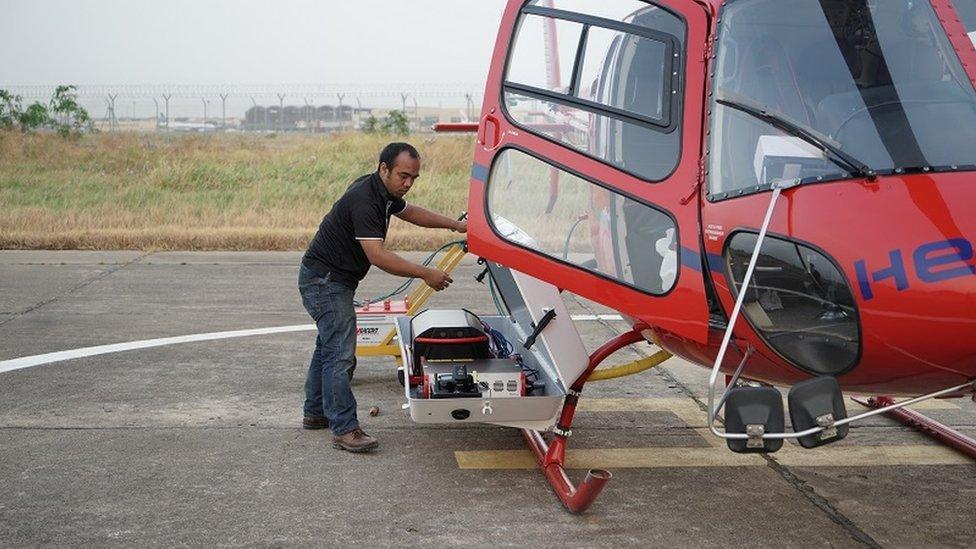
{"points": [[778, 190]]}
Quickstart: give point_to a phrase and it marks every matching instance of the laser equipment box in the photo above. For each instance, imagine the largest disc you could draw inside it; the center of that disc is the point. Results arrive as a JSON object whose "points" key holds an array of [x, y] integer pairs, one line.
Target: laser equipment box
{"points": [[510, 370]]}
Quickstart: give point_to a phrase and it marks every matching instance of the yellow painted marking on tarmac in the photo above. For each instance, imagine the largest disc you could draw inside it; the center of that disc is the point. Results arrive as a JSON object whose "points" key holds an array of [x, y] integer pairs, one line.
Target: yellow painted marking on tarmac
{"points": [[717, 455], [689, 412], [616, 458], [658, 458], [495, 459]]}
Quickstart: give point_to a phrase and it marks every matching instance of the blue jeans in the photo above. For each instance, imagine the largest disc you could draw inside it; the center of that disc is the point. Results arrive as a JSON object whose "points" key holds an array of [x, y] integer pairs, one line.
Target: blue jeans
{"points": [[327, 390]]}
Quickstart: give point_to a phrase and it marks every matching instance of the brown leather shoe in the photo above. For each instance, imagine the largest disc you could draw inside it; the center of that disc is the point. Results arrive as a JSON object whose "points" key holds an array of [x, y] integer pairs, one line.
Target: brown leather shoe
{"points": [[315, 423], [355, 441]]}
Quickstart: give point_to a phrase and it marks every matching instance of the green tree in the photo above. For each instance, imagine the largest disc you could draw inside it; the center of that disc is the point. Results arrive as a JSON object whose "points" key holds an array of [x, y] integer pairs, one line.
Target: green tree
{"points": [[68, 116], [63, 113], [9, 110], [33, 117], [396, 123], [370, 125], [12, 113]]}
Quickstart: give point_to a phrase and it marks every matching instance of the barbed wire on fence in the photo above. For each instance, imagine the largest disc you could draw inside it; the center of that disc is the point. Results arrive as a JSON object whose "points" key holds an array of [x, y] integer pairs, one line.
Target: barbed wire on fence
{"points": [[263, 107], [422, 90]]}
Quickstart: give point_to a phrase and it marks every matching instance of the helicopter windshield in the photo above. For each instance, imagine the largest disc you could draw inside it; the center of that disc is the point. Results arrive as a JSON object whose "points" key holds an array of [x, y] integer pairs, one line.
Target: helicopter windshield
{"points": [[877, 77]]}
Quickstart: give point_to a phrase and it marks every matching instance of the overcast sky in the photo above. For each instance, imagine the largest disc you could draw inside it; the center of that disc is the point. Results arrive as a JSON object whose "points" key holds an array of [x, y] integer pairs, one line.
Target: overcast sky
{"points": [[360, 42], [246, 41]]}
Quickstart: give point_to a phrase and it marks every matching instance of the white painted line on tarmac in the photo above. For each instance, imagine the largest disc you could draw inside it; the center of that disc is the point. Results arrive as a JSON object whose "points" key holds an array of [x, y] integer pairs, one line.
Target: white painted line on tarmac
{"points": [[48, 358], [60, 356]]}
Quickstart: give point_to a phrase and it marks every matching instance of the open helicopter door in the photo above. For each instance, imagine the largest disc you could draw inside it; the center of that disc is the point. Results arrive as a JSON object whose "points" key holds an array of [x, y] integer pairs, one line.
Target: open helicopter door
{"points": [[586, 174]]}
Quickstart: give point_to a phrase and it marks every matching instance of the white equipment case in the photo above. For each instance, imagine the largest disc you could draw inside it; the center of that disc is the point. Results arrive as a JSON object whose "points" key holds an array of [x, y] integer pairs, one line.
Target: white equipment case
{"points": [[557, 355]]}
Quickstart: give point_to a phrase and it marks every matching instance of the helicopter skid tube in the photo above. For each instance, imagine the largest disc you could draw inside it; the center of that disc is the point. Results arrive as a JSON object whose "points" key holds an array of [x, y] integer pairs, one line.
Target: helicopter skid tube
{"points": [[925, 424], [550, 458]]}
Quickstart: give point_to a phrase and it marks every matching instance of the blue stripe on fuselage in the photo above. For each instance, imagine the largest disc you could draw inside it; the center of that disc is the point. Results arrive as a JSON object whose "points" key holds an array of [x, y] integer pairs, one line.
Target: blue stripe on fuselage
{"points": [[691, 259], [716, 263], [479, 173]]}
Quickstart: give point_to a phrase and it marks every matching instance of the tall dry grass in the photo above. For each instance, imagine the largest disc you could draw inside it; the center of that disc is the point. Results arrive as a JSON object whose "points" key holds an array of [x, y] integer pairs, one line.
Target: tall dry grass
{"points": [[203, 192]]}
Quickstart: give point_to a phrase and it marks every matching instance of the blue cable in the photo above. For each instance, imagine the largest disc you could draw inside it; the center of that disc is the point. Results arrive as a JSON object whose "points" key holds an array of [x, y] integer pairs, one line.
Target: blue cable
{"points": [[503, 348]]}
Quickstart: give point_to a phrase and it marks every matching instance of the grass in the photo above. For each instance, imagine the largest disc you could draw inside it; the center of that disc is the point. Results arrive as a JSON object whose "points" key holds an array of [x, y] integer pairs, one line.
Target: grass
{"points": [[207, 192]]}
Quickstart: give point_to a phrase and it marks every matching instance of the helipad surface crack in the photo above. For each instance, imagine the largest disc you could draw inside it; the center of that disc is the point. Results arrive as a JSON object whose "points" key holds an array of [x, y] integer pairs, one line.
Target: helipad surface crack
{"points": [[88, 281]]}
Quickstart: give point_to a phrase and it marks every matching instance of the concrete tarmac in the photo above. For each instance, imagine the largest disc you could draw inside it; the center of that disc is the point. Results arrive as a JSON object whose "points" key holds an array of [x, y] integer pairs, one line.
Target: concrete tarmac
{"points": [[200, 443]]}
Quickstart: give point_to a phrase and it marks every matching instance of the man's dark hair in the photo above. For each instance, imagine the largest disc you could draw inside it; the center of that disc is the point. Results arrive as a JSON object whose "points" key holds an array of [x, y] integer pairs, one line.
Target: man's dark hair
{"points": [[392, 151]]}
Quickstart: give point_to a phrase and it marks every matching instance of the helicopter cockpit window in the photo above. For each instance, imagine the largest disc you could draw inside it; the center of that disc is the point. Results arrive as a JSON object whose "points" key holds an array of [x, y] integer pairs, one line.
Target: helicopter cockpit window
{"points": [[601, 78], [589, 226], [818, 90]]}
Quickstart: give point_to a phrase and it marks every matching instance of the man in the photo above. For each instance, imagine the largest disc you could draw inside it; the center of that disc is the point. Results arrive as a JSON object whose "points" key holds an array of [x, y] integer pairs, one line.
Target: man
{"points": [[351, 238]]}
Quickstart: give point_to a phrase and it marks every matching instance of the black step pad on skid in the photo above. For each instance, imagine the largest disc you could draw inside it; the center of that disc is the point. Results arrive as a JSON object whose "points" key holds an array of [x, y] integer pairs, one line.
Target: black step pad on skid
{"points": [[747, 406]]}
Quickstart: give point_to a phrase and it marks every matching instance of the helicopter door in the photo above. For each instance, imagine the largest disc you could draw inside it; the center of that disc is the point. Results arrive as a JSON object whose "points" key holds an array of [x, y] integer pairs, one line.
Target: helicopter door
{"points": [[586, 167]]}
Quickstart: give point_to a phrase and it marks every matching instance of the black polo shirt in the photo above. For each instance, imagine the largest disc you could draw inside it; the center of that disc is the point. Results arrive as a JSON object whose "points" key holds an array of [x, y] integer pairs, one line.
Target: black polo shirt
{"points": [[362, 213]]}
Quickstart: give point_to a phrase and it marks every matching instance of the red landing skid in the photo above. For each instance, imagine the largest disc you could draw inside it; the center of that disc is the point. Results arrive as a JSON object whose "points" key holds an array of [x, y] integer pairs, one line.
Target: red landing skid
{"points": [[552, 458], [927, 425]]}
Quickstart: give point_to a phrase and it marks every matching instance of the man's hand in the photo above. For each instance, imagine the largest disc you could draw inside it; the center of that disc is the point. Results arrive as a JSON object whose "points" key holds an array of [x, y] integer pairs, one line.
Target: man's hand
{"points": [[460, 226], [437, 279]]}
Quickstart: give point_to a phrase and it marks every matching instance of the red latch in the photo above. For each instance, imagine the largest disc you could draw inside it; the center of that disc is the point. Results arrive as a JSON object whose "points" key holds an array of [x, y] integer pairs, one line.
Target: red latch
{"points": [[490, 134]]}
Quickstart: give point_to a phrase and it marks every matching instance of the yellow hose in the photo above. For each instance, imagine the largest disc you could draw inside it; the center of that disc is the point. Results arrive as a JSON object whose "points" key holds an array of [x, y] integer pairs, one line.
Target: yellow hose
{"points": [[629, 368]]}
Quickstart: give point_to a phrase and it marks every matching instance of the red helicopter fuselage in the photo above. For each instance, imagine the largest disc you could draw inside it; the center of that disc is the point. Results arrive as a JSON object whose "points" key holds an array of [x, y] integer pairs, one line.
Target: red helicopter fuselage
{"points": [[638, 172]]}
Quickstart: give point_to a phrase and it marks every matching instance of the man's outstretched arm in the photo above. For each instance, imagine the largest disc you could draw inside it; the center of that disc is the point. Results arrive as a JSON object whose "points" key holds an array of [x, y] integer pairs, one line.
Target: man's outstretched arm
{"points": [[392, 263], [431, 220]]}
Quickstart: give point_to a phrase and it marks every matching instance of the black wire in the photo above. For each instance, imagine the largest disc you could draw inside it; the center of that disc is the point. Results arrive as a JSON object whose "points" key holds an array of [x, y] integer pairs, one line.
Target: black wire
{"points": [[529, 372], [569, 236]]}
